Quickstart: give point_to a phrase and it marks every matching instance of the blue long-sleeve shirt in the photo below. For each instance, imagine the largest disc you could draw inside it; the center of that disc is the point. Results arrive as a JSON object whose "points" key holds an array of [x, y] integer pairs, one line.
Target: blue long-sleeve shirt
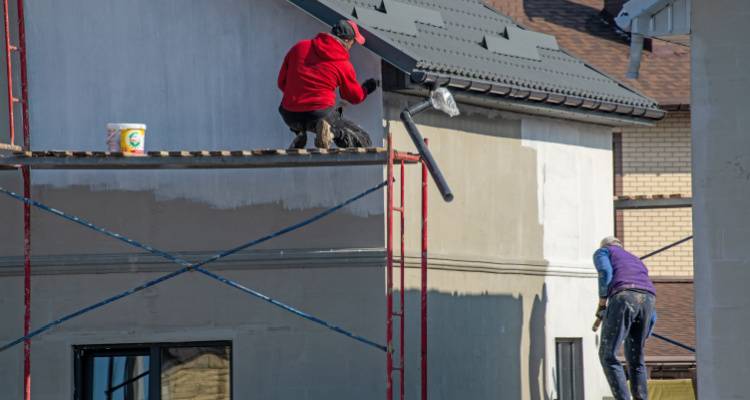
{"points": [[604, 269]]}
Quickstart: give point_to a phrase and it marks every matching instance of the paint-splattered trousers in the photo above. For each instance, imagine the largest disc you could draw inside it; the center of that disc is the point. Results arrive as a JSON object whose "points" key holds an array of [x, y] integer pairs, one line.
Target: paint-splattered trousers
{"points": [[627, 319]]}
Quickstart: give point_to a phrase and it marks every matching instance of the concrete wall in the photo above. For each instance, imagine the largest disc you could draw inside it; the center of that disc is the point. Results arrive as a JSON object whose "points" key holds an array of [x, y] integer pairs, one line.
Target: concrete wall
{"points": [[275, 355], [202, 76], [574, 172], [720, 186], [530, 208]]}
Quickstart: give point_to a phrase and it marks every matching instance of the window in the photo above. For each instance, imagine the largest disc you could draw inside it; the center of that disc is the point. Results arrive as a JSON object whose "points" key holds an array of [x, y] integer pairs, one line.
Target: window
{"points": [[164, 371], [569, 354]]}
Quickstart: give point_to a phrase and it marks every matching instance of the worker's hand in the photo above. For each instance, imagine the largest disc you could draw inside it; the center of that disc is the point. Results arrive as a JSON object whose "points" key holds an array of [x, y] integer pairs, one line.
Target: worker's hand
{"points": [[600, 311], [370, 85]]}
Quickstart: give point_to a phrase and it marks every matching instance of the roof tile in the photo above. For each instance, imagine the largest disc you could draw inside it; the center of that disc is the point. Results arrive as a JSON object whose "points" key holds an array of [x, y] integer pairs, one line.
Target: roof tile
{"points": [[582, 29], [525, 60]]}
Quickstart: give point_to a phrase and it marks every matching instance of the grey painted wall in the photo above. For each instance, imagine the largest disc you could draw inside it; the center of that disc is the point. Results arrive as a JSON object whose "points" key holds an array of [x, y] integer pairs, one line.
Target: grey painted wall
{"points": [[201, 74], [721, 165], [275, 355]]}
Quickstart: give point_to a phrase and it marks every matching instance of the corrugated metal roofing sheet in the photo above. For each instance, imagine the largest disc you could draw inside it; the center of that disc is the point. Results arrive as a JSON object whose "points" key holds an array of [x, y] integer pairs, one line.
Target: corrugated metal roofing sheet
{"points": [[479, 44]]}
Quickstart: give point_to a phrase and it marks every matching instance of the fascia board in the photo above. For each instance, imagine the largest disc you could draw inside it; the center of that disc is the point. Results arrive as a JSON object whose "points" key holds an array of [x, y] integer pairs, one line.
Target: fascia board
{"points": [[374, 42]]}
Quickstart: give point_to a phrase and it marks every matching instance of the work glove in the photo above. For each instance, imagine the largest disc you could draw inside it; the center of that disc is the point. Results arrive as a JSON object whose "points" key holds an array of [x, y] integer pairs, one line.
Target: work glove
{"points": [[370, 85], [600, 311]]}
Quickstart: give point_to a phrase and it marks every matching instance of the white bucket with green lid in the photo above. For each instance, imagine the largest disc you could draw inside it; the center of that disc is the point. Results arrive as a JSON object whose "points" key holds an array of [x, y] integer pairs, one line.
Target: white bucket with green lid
{"points": [[128, 138]]}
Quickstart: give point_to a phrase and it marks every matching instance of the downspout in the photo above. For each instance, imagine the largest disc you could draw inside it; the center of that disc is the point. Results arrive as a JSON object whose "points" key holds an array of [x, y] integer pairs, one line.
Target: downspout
{"points": [[636, 51], [424, 151]]}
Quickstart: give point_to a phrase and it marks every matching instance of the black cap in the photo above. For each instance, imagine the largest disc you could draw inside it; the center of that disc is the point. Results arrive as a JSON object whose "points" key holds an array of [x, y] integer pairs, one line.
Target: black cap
{"points": [[347, 30], [343, 30]]}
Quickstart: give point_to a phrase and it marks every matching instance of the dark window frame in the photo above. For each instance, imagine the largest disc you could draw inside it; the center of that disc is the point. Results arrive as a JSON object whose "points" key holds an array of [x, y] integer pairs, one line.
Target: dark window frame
{"points": [[574, 365], [83, 356]]}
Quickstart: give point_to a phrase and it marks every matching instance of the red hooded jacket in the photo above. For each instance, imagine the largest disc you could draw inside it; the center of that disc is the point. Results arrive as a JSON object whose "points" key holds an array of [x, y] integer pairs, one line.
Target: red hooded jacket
{"points": [[312, 71]]}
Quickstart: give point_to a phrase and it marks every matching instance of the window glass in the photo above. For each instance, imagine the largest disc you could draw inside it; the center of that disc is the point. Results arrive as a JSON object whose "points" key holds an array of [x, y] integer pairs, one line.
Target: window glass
{"points": [[195, 373], [159, 371], [120, 377]]}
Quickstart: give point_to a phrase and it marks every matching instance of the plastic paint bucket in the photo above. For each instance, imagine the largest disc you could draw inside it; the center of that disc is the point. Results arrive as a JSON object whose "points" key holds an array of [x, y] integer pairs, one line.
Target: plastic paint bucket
{"points": [[127, 138]]}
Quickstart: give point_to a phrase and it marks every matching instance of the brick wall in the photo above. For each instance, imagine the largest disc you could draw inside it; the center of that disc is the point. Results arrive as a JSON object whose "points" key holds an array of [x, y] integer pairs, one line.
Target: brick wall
{"points": [[656, 160], [649, 229]]}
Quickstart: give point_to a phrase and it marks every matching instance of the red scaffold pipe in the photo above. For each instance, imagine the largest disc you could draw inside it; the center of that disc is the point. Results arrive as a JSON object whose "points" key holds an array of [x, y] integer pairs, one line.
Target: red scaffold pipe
{"points": [[9, 71]]}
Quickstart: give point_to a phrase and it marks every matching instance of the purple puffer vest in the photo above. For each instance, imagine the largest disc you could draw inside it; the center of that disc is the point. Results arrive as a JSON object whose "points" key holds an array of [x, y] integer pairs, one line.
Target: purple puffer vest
{"points": [[628, 272]]}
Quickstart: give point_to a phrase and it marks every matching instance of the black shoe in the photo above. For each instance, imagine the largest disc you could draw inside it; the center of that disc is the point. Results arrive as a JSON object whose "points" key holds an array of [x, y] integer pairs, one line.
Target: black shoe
{"points": [[299, 141]]}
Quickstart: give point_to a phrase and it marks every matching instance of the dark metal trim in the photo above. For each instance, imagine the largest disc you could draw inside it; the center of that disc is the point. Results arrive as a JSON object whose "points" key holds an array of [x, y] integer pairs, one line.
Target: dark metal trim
{"points": [[392, 54], [634, 204], [542, 97]]}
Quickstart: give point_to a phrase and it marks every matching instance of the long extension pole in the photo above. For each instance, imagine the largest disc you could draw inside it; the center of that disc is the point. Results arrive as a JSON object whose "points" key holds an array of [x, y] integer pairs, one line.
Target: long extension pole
{"points": [[424, 279], [389, 275]]}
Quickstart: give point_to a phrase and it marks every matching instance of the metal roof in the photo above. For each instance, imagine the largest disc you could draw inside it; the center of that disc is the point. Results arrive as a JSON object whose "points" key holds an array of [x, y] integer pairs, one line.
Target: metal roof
{"points": [[469, 42]]}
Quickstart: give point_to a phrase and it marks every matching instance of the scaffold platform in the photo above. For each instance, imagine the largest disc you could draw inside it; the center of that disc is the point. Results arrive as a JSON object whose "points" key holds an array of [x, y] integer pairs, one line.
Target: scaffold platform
{"points": [[204, 159]]}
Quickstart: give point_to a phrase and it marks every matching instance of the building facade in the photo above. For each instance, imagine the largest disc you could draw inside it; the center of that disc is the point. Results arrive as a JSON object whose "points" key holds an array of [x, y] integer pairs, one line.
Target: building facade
{"points": [[511, 288]]}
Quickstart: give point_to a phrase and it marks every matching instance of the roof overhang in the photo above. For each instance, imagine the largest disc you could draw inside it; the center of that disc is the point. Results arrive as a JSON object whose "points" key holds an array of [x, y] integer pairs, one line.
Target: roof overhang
{"points": [[484, 93]]}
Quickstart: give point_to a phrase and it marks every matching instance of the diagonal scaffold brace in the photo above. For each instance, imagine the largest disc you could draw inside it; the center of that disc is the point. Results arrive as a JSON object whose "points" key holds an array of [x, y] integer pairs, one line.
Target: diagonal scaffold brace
{"points": [[188, 266]]}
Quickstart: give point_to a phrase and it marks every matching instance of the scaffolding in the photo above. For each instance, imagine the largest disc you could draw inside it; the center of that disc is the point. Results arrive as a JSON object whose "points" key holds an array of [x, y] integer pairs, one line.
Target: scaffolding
{"points": [[24, 159], [260, 159], [21, 157]]}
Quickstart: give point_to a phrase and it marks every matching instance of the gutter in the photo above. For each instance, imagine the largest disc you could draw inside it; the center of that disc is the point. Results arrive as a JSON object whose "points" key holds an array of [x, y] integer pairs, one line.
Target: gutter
{"points": [[536, 103]]}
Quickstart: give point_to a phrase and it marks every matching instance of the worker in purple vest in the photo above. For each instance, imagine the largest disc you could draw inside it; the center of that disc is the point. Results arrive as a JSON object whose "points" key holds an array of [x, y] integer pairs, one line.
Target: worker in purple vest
{"points": [[627, 300]]}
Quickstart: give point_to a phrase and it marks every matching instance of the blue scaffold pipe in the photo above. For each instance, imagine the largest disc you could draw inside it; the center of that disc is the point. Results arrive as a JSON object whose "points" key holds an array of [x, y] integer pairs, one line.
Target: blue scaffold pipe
{"points": [[187, 266], [291, 309], [92, 307], [674, 342], [290, 228], [103, 231]]}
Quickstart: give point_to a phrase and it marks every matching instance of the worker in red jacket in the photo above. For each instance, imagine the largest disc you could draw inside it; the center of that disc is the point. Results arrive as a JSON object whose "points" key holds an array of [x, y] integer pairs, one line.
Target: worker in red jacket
{"points": [[311, 72]]}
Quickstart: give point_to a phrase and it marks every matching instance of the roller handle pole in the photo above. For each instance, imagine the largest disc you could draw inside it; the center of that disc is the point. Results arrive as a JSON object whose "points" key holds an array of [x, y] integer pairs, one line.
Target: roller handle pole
{"points": [[416, 138]]}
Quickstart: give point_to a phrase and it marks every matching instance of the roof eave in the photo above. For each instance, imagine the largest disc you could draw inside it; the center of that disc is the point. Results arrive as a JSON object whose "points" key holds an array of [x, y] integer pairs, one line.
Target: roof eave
{"points": [[503, 97], [539, 109], [375, 43]]}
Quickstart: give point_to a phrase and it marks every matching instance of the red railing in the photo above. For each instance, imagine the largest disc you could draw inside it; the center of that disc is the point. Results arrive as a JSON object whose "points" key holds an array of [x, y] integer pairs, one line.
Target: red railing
{"points": [[400, 367], [10, 49]]}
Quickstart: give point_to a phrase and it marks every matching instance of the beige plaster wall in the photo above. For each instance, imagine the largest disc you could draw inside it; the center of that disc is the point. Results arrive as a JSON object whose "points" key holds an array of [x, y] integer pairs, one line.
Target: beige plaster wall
{"points": [[493, 176], [533, 197]]}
